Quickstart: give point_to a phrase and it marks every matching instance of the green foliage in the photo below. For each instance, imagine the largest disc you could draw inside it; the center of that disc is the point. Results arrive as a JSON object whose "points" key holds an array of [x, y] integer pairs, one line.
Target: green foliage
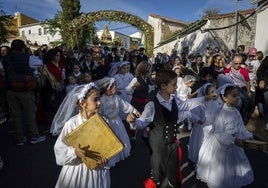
{"points": [[95, 40], [5, 23], [54, 25], [78, 38], [120, 16], [70, 10]]}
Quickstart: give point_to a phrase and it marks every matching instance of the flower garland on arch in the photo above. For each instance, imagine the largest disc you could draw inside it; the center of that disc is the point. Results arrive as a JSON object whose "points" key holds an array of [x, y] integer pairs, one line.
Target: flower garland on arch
{"points": [[117, 16]]}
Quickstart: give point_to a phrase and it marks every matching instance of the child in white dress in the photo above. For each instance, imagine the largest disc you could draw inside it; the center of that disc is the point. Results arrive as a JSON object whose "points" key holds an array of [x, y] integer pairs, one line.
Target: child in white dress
{"points": [[122, 80], [213, 104], [222, 163], [111, 105], [74, 173], [184, 92]]}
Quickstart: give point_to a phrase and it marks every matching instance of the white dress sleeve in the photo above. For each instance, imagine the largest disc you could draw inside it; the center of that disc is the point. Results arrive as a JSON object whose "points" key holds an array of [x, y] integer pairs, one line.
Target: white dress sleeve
{"points": [[186, 110], [130, 89], [64, 153], [125, 106]]}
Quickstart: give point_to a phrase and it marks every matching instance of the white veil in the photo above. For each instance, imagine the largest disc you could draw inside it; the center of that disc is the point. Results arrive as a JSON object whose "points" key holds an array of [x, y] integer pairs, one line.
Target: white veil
{"points": [[69, 107]]}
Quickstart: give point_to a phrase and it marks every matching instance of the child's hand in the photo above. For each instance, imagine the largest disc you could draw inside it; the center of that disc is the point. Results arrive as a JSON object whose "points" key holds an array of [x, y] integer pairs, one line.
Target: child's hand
{"points": [[137, 84], [131, 118], [80, 153], [138, 114], [102, 162]]}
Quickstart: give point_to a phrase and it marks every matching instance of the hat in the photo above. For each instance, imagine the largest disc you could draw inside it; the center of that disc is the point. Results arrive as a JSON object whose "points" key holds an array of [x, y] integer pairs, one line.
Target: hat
{"points": [[176, 67], [252, 51]]}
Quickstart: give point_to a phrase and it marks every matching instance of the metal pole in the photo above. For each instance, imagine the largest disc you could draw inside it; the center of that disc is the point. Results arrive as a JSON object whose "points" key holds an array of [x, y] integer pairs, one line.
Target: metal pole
{"points": [[236, 26]]}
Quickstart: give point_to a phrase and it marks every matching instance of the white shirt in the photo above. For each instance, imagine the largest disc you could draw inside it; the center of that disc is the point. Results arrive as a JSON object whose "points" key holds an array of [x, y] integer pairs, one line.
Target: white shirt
{"points": [[184, 111]]}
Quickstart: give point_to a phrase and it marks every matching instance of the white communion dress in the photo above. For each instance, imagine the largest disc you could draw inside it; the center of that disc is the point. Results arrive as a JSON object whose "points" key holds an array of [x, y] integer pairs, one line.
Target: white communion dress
{"points": [[110, 109], [74, 173], [221, 163]]}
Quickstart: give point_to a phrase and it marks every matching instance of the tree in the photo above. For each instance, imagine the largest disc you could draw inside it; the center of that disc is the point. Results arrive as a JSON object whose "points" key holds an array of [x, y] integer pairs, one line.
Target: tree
{"points": [[211, 12], [5, 23], [61, 21], [70, 11], [53, 26]]}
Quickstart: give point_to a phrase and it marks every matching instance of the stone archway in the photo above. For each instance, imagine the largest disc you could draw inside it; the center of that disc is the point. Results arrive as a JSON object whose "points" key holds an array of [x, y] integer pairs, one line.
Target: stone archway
{"points": [[120, 16]]}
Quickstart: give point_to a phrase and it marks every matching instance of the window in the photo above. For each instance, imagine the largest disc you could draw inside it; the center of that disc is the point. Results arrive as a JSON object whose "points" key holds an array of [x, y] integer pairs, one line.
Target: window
{"points": [[39, 31], [23, 33], [45, 31], [29, 32]]}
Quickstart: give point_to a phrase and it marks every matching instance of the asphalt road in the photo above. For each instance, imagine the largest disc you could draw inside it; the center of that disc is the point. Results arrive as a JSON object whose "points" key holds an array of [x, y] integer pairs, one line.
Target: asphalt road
{"points": [[34, 166]]}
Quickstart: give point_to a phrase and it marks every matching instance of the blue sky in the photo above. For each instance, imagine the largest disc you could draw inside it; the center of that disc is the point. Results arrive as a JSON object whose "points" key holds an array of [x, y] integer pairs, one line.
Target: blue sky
{"points": [[189, 11]]}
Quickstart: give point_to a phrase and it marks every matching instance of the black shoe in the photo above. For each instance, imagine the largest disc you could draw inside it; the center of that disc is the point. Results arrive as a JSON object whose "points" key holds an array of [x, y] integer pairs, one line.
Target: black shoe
{"points": [[21, 141]]}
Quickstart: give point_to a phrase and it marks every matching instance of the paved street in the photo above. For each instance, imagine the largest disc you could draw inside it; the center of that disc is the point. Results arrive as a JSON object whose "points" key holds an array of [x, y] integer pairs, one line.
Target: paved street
{"points": [[33, 166]]}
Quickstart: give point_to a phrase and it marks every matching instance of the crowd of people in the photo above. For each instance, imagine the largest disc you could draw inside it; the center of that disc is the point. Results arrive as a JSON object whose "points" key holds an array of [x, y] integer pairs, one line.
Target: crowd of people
{"points": [[210, 94]]}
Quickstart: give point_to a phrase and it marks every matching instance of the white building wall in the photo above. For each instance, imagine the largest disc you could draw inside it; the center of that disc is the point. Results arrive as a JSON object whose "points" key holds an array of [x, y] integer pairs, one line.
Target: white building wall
{"points": [[136, 35], [261, 38], [196, 41], [156, 23], [125, 40], [35, 35]]}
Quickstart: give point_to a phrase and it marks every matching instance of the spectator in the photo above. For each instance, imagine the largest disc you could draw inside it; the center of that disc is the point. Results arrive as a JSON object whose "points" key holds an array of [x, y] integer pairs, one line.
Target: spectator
{"points": [[21, 100], [262, 80], [72, 83], [252, 65], [142, 56]]}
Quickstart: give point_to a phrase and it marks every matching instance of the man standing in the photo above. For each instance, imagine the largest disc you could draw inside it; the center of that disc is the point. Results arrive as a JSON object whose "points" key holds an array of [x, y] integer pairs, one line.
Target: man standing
{"points": [[239, 74], [20, 98], [241, 79]]}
